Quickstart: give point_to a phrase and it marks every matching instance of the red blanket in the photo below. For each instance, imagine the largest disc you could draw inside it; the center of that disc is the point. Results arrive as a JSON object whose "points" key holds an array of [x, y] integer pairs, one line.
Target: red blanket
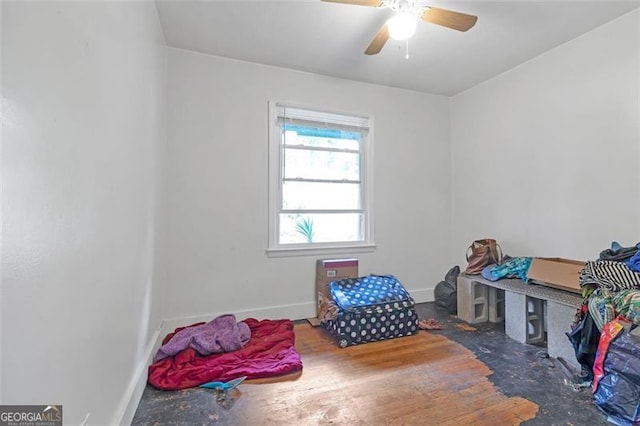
{"points": [[269, 353]]}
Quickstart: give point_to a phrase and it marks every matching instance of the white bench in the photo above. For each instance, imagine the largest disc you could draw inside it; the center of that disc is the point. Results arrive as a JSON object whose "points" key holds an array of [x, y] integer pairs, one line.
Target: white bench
{"points": [[526, 309]]}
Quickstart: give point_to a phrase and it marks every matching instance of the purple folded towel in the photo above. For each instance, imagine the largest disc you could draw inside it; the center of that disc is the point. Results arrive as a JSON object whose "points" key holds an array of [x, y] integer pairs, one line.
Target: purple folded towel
{"points": [[222, 334]]}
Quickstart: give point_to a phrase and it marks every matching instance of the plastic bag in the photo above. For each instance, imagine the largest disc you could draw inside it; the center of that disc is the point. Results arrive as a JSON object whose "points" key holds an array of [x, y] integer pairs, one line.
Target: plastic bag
{"points": [[616, 385], [446, 292]]}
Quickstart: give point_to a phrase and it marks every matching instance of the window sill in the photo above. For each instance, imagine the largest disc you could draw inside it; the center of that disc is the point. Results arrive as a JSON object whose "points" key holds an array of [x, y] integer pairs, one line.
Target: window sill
{"points": [[316, 251]]}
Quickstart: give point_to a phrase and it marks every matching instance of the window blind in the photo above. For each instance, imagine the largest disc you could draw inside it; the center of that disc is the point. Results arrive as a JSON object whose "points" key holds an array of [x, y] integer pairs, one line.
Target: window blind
{"points": [[321, 119]]}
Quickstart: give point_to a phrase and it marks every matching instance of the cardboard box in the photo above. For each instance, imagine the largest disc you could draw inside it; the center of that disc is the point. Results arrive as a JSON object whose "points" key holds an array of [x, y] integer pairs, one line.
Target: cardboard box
{"points": [[557, 272], [328, 270]]}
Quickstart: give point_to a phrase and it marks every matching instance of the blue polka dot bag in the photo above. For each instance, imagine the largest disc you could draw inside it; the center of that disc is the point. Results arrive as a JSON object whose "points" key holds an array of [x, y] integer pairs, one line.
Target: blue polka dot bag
{"points": [[371, 308]]}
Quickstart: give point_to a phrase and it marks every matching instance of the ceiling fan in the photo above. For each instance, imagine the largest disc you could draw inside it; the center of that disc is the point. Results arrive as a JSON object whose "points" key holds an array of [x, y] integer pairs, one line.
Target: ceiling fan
{"points": [[406, 14]]}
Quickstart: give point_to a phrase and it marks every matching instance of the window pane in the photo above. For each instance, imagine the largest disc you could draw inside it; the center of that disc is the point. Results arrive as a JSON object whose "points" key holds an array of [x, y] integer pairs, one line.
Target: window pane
{"points": [[320, 228], [320, 196], [322, 138], [300, 163]]}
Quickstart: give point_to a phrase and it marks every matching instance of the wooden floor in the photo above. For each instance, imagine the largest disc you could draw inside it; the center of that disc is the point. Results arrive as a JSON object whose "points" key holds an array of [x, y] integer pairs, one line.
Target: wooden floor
{"points": [[432, 378], [424, 379]]}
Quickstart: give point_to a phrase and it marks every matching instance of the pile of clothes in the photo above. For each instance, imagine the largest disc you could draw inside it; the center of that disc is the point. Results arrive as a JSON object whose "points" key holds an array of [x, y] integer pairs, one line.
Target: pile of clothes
{"points": [[605, 333]]}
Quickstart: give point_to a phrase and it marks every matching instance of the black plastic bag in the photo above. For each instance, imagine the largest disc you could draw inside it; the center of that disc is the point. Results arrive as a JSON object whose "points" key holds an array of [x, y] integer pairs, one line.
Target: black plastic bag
{"points": [[452, 276], [446, 292]]}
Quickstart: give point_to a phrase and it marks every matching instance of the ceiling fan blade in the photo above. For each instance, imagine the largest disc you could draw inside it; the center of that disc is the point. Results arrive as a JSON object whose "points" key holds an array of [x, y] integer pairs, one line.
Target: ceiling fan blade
{"points": [[378, 41], [448, 18], [370, 3]]}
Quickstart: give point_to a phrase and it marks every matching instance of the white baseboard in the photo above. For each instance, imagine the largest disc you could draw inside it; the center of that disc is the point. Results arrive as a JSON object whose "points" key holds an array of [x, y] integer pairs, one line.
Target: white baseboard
{"points": [[294, 312], [131, 398], [423, 295]]}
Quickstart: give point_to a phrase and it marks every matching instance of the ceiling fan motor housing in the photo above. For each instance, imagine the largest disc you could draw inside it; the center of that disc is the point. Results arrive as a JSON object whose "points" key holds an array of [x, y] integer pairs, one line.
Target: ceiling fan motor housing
{"points": [[415, 8]]}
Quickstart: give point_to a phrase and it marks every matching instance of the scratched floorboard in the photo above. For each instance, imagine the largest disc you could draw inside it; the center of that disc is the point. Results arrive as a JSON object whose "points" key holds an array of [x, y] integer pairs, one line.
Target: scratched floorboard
{"points": [[460, 375]]}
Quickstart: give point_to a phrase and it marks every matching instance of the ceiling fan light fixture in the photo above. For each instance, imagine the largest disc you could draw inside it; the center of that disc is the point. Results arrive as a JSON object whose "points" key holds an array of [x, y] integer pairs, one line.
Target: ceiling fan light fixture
{"points": [[402, 26]]}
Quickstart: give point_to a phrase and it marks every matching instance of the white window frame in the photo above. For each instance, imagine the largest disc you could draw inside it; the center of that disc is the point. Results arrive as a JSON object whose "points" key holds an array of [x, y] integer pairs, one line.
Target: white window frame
{"points": [[276, 149]]}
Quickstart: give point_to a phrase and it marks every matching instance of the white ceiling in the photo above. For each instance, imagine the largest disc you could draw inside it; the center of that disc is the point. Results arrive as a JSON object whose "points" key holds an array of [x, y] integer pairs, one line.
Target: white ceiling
{"points": [[330, 38]]}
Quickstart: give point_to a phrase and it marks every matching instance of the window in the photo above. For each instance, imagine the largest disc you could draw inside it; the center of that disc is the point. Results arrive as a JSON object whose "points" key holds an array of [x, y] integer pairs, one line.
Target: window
{"points": [[320, 184]]}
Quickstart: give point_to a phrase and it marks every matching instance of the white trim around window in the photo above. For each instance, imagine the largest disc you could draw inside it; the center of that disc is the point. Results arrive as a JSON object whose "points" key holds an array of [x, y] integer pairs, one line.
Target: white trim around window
{"points": [[357, 179]]}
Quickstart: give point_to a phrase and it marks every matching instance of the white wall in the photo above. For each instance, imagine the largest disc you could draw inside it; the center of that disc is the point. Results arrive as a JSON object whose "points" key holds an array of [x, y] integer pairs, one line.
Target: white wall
{"points": [[1, 198], [217, 186], [545, 157], [83, 134]]}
